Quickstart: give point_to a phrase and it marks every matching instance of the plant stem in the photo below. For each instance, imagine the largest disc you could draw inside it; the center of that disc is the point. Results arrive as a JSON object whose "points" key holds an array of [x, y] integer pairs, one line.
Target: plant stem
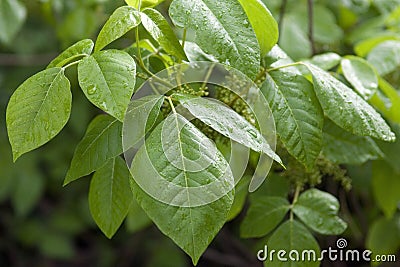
{"points": [[285, 66], [171, 104], [295, 198], [71, 64], [184, 37]]}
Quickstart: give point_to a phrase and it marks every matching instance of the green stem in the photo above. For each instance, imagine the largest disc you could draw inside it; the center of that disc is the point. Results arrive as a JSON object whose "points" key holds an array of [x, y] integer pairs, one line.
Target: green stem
{"points": [[71, 64], [295, 198], [171, 104], [184, 37], [285, 66]]}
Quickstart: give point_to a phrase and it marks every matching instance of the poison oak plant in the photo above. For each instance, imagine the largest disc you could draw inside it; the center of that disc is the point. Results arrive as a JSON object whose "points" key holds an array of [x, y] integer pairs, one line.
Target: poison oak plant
{"points": [[322, 119]]}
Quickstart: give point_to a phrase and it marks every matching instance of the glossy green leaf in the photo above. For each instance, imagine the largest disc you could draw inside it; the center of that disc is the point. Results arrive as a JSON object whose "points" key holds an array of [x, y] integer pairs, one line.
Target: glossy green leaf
{"points": [[292, 235], [385, 57], [190, 226], [143, 3], [263, 215], [77, 50], [386, 187], [108, 79], [227, 122], [326, 61], [159, 29], [102, 142], [12, 16], [195, 53], [263, 23], [141, 116], [361, 75], [318, 210], [342, 147], [297, 113], [222, 30], [123, 19], [110, 195], [136, 219], [384, 236], [38, 110], [347, 109]]}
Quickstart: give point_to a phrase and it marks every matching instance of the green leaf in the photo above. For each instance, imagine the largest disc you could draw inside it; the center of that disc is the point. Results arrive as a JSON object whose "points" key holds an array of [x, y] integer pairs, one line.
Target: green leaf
{"points": [[227, 122], [136, 219], [264, 214], [77, 50], [263, 23], [361, 75], [292, 235], [363, 48], [102, 141], [123, 19], [318, 210], [344, 148], [325, 61], [390, 108], [386, 187], [297, 113], [141, 116], [222, 30], [385, 57], [160, 30], [108, 79], [347, 109], [241, 190], [38, 110], [12, 16], [190, 226], [110, 195], [384, 236], [144, 3], [391, 150], [195, 53]]}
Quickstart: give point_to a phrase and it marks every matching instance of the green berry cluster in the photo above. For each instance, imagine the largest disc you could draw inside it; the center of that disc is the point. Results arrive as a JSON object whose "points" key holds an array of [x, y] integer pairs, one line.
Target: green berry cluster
{"points": [[297, 174]]}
